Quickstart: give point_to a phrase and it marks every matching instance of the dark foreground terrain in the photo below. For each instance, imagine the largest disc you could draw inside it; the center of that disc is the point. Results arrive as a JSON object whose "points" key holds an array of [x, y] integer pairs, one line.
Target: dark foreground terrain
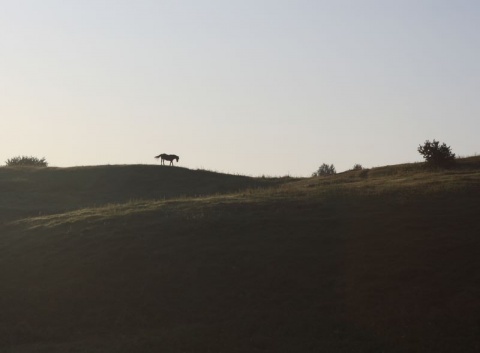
{"points": [[163, 259]]}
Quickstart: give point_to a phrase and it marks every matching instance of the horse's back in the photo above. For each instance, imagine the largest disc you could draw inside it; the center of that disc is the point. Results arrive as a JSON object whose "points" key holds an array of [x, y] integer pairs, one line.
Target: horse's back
{"points": [[171, 157], [168, 157]]}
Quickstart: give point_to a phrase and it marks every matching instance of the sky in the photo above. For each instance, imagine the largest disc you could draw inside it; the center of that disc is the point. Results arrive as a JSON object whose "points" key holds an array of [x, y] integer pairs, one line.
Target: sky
{"points": [[251, 87]]}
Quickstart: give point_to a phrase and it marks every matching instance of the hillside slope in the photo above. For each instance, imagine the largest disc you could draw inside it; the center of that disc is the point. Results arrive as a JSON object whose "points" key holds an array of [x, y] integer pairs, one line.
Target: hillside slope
{"points": [[33, 191], [386, 259]]}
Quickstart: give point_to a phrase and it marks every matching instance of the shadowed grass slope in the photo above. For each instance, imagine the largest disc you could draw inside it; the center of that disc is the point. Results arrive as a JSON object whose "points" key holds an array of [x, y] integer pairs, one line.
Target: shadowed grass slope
{"points": [[386, 259], [32, 191]]}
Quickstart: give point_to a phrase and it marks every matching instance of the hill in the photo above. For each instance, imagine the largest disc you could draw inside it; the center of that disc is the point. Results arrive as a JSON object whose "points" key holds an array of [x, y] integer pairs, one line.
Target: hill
{"points": [[33, 191], [385, 259]]}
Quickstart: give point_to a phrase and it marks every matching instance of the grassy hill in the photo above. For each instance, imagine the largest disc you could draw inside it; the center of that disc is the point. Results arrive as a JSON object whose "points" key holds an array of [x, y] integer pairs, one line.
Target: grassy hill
{"points": [[34, 191], [149, 259]]}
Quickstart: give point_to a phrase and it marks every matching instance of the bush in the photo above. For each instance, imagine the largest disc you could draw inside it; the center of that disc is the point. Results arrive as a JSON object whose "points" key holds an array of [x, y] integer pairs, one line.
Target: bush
{"points": [[357, 167], [24, 161], [436, 154], [325, 169]]}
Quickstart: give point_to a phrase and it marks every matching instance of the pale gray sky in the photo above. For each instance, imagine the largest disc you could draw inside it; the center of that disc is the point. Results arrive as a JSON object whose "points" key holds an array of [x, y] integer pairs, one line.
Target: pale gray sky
{"points": [[269, 87]]}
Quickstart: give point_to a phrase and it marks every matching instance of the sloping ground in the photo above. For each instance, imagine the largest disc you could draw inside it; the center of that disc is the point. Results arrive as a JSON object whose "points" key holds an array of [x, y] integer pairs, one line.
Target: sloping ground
{"points": [[34, 191], [367, 261]]}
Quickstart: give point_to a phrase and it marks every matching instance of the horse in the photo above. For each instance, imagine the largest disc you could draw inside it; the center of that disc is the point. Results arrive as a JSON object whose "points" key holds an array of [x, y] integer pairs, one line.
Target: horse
{"points": [[167, 157]]}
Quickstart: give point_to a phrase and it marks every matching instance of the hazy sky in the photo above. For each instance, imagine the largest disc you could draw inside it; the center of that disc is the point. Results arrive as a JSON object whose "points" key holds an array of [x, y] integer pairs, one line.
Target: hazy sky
{"points": [[269, 87]]}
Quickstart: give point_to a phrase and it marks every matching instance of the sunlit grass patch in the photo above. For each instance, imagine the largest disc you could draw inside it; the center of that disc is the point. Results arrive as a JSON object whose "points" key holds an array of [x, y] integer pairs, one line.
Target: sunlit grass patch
{"points": [[119, 210]]}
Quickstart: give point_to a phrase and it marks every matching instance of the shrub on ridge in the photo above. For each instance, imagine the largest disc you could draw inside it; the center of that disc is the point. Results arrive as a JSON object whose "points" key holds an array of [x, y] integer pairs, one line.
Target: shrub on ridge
{"points": [[24, 161]]}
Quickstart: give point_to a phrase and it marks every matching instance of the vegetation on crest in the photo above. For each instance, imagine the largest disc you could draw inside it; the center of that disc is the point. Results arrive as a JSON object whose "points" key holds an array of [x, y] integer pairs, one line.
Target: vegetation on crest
{"points": [[24, 161], [436, 154], [357, 167], [324, 170]]}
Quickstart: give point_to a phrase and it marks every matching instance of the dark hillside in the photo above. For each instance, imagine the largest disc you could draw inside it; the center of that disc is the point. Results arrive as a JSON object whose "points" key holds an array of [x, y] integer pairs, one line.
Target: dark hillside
{"points": [[32, 191], [358, 262]]}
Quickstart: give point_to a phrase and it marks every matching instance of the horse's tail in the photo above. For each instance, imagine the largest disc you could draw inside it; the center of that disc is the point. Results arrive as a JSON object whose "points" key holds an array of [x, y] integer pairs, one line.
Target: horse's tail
{"points": [[157, 157]]}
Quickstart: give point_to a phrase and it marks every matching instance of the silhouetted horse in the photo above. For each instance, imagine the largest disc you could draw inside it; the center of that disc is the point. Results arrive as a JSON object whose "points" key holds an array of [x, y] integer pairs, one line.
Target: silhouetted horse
{"points": [[167, 157]]}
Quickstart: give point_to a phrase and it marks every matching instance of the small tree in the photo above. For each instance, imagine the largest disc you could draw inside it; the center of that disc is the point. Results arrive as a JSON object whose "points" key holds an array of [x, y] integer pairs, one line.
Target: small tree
{"points": [[25, 161], [325, 169], [436, 154], [357, 167]]}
